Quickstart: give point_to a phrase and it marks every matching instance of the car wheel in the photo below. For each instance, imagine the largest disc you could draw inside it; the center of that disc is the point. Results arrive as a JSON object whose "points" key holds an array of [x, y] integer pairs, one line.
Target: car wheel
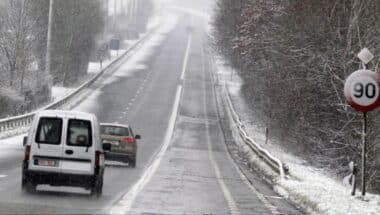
{"points": [[132, 163], [28, 186]]}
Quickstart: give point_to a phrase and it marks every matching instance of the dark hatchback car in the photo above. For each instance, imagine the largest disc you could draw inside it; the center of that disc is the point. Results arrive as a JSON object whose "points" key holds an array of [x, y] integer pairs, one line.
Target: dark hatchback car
{"points": [[123, 143]]}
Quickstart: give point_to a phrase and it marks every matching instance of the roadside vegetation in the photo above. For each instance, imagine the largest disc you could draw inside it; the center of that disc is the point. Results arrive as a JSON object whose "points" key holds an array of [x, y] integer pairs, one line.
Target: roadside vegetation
{"points": [[293, 57], [81, 30]]}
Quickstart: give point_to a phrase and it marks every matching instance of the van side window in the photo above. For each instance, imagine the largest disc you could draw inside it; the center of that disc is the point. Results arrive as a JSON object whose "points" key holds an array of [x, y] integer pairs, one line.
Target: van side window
{"points": [[49, 131], [79, 133]]}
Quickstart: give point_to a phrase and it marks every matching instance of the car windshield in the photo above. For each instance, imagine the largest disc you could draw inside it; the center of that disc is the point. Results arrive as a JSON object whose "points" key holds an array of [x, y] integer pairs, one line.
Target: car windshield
{"points": [[114, 130], [49, 131], [79, 133]]}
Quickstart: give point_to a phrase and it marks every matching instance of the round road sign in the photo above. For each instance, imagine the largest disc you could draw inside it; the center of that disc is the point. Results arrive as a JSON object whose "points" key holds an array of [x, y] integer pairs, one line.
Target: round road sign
{"points": [[362, 90]]}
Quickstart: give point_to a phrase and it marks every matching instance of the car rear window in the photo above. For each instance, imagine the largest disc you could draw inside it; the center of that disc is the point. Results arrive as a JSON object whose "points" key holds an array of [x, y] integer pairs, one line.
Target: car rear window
{"points": [[79, 133], [114, 130], [49, 131]]}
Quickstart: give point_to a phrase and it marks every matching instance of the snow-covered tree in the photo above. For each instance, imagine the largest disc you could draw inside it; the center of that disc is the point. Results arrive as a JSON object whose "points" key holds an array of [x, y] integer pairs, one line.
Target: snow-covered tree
{"points": [[294, 57]]}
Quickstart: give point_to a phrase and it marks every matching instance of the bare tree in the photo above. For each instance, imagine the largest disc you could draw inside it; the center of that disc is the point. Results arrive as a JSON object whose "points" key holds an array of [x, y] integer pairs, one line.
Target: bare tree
{"points": [[294, 57]]}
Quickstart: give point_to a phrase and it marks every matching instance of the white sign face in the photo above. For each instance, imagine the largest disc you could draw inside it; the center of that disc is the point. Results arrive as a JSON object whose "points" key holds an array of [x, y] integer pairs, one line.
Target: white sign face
{"points": [[365, 56], [362, 90]]}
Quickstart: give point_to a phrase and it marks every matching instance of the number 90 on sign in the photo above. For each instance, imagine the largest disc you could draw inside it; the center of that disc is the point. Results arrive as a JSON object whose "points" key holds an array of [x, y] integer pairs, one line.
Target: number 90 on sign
{"points": [[362, 90]]}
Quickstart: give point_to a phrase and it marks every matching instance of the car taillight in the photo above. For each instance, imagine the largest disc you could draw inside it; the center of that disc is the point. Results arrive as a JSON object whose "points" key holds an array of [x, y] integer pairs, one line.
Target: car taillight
{"points": [[27, 153], [97, 158], [128, 140]]}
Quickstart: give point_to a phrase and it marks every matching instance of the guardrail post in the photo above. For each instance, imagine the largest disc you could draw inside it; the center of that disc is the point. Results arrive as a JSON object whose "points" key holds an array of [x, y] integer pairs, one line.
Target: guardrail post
{"points": [[354, 171], [266, 135], [285, 167]]}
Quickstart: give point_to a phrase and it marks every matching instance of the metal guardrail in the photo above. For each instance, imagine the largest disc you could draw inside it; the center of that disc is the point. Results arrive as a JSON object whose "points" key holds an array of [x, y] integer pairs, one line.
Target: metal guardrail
{"points": [[263, 154], [12, 123]]}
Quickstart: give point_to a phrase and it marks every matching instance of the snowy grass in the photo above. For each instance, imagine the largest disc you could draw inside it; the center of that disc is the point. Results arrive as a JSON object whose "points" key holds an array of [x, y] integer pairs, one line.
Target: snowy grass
{"points": [[316, 190], [58, 92], [94, 68], [12, 133], [87, 100]]}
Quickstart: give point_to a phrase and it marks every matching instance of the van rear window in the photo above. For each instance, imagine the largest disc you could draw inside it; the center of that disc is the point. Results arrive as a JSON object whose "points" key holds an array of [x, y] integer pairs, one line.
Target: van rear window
{"points": [[79, 133], [49, 131], [114, 130]]}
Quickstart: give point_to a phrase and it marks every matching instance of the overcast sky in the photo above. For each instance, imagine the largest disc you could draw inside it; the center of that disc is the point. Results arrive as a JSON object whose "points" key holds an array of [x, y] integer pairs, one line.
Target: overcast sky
{"points": [[204, 5]]}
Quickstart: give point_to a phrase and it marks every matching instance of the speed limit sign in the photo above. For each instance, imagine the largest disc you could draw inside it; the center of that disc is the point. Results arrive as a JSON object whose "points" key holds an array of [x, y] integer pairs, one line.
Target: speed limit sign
{"points": [[362, 90]]}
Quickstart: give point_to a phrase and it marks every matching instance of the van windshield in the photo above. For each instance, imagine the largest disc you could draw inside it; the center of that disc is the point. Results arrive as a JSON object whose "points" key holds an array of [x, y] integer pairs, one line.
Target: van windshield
{"points": [[79, 133], [49, 131]]}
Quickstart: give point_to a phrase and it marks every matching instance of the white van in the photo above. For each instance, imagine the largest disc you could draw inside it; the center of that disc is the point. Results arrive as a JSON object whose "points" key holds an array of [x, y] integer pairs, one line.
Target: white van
{"points": [[64, 148]]}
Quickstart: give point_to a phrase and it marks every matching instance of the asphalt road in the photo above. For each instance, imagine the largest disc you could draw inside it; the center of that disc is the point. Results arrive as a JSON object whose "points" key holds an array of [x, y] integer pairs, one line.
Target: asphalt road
{"points": [[181, 168]]}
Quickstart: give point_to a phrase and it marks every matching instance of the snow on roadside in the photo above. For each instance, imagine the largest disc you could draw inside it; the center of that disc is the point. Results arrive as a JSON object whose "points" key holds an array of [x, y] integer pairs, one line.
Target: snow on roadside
{"points": [[315, 189], [58, 92], [11, 142], [135, 63]]}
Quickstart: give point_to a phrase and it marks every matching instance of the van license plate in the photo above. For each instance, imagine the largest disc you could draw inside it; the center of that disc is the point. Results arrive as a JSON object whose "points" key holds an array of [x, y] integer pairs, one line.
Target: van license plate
{"points": [[47, 162]]}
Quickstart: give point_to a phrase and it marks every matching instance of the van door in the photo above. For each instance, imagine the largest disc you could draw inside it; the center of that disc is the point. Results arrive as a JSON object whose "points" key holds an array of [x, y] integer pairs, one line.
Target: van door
{"points": [[78, 151], [47, 147]]}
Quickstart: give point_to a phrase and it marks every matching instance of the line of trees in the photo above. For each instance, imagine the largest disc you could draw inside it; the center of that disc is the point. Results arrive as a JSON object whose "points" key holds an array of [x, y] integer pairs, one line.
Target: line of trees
{"points": [[293, 57], [77, 25]]}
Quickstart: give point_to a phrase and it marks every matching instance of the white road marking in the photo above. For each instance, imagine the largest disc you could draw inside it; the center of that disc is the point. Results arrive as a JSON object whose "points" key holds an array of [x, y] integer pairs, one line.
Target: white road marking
{"points": [[125, 204], [3, 176], [273, 209], [260, 196], [227, 194], [185, 59], [274, 197]]}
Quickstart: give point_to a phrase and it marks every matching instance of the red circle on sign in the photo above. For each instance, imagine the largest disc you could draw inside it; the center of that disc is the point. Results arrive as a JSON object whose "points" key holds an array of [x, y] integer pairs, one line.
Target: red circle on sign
{"points": [[356, 89]]}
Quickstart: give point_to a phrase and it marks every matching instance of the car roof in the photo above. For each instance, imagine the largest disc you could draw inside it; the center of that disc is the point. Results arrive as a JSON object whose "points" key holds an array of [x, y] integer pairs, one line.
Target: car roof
{"points": [[65, 113], [114, 124]]}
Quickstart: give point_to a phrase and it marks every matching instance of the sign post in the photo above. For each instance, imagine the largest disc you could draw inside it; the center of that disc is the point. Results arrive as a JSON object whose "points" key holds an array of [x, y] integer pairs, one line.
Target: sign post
{"points": [[115, 45], [362, 90], [364, 153], [353, 175]]}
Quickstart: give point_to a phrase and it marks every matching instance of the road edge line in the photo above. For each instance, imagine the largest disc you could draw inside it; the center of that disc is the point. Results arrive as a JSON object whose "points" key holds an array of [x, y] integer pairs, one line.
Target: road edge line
{"points": [[124, 205], [272, 208], [186, 58], [234, 210]]}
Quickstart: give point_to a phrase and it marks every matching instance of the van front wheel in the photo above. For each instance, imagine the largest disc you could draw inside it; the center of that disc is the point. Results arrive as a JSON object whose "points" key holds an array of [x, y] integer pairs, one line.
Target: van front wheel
{"points": [[27, 186], [97, 188]]}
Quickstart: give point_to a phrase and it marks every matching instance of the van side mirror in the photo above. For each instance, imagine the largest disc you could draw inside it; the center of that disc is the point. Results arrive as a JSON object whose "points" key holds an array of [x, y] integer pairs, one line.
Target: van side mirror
{"points": [[137, 137], [106, 146], [25, 141]]}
